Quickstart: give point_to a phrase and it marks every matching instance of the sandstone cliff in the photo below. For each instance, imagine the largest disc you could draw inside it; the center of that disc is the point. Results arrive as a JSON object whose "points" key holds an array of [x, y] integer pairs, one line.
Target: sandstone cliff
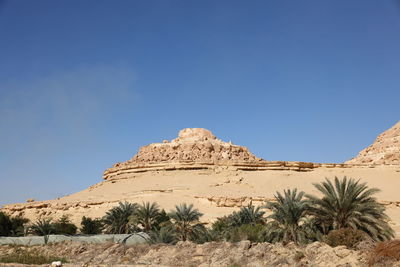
{"points": [[196, 149], [384, 151]]}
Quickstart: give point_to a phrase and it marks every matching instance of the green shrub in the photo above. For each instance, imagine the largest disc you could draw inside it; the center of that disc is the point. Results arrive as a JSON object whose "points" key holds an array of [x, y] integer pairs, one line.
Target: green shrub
{"points": [[252, 232], [12, 226], [165, 234], [345, 237], [64, 226], [5, 224], [18, 225], [91, 226]]}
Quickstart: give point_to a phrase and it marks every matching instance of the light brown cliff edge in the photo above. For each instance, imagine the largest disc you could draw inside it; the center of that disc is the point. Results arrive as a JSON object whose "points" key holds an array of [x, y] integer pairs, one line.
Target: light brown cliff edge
{"points": [[384, 151]]}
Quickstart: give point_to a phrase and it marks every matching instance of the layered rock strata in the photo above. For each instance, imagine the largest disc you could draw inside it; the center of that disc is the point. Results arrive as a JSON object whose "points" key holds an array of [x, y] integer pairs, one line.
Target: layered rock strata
{"points": [[197, 148], [384, 151]]}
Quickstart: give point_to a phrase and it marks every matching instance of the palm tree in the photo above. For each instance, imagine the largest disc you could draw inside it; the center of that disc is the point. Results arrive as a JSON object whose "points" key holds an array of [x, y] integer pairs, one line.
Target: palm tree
{"points": [[186, 221], [165, 234], [43, 227], [246, 215], [288, 212], [91, 226], [147, 215], [347, 203], [117, 220]]}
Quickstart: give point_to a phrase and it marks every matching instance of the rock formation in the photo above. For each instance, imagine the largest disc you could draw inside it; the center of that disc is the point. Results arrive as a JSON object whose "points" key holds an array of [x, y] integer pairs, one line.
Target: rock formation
{"points": [[194, 145], [197, 148], [384, 151]]}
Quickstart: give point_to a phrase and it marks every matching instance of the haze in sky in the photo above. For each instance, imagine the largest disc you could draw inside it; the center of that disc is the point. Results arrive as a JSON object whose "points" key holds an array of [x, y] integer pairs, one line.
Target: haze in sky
{"points": [[84, 84]]}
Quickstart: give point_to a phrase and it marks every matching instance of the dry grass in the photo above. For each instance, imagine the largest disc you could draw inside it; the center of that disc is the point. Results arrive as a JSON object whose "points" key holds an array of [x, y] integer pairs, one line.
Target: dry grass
{"points": [[29, 257], [385, 252]]}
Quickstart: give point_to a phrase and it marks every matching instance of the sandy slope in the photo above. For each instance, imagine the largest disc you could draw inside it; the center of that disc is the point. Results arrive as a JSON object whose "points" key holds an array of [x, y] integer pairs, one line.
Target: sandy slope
{"points": [[214, 193]]}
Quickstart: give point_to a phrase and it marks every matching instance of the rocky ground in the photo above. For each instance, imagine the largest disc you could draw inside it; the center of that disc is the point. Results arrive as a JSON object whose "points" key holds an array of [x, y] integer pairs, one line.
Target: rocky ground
{"points": [[209, 254]]}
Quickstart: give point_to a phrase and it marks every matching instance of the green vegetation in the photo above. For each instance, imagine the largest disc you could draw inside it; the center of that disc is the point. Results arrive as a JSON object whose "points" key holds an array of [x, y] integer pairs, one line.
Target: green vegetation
{"points": [[91, 226], [186, 222], [29, 257], [348, 204], [288, 212], [345, 213], [147, 216], [118, 219], [246, 224], [166, 234], [63, 226], [12, 226], [43, 227]]}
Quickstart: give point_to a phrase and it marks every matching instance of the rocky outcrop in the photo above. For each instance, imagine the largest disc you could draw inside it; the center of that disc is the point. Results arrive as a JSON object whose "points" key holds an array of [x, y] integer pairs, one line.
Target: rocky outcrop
{"points": [[193, 145], [196, 149], [384, 151]]}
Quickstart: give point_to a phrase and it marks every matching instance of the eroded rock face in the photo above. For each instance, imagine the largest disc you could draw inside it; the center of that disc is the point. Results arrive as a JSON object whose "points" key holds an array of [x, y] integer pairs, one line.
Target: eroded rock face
{"points": [[194, 148], [384, 151], [196, 145]]}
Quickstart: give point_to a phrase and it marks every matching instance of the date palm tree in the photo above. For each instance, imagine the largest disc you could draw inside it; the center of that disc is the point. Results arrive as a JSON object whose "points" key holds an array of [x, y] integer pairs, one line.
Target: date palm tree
{"points": [[288, 212], [117, 220], [347, 203], [43, 227], [246, 215], [186, 221], [147, 216]]}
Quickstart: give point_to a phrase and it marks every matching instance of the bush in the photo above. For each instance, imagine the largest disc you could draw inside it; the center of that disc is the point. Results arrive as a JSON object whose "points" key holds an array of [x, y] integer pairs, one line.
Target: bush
{"points": [[12, 226], [64, 226], [91, 226], [165, 234], [5, 224], [345, 237], [385, 252], [18, 226], [251, 232]]}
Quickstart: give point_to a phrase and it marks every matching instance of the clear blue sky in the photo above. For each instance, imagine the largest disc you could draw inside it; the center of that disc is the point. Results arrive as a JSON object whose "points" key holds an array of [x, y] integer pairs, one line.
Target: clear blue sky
{"points": [[84, 84]]}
